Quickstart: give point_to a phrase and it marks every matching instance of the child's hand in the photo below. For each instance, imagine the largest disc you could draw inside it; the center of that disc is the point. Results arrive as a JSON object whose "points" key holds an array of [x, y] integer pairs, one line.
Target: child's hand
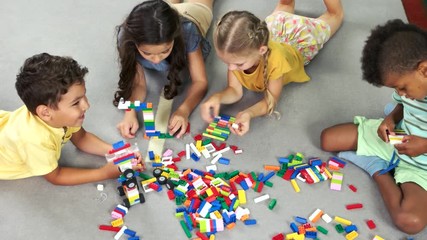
{"points": [[210, 108], [129, 125], [140, 165], [243, 120], [111, 170], [412, 146], [386, 128], [178, 122]]}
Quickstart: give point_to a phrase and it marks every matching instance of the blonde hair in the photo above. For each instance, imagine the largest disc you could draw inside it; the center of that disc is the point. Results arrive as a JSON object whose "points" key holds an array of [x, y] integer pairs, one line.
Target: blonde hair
{"points": [[239, 32]]}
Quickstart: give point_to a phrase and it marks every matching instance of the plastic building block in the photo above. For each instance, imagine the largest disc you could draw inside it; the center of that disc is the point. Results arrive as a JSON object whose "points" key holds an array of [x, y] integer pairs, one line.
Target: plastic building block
{"points": [[242, 196], [352, 188], [133, 238], [185, 228], [376, 237], [279, 236], [294, 227], [187, 151], [342, 220], [316, 215], [352, 235], [371, 224], [224, 161], [350, 228], [109, 228], [295, 185], [261, 198], [311, 234], [339, 228], [326, 218], [395, 139], [354, 206], [272, 204], [194, 157], [100, 187], [129, 232], [117, 223], [271, 168], [337, 161], [120, 233], [322, 230], [250, 222], [216, 158], [336, 181], [301, 220]]}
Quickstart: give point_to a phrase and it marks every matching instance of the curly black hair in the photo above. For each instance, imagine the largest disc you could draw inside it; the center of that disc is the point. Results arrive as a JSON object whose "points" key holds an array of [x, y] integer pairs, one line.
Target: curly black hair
{"points": [[395, 47], [44, 78]]}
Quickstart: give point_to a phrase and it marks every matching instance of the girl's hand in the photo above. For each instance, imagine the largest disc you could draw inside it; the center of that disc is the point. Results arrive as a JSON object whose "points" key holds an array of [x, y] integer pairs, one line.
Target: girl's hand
{"points": [[129, 125], [210, 108], [178, 122], [140, 165], [243, 119], [412, 146], [385, 128]]}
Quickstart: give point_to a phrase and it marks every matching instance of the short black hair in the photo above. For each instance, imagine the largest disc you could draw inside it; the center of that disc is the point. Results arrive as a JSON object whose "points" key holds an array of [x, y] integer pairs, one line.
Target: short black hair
{"points": [[44, 78], [395, 47]]}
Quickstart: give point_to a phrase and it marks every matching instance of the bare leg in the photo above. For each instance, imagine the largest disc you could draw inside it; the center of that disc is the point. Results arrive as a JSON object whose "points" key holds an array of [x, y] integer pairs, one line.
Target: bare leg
{"points": [[208, 3], [405, 203], [334, 14], [341, 137], [286, 6]]}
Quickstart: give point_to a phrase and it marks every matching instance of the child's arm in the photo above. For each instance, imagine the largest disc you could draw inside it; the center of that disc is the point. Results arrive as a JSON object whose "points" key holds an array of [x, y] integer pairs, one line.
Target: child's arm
{"points": [[89, 143], [129, 124], [388, 124], [75, 176], [197, 90], [231, 94], [260, 108]]}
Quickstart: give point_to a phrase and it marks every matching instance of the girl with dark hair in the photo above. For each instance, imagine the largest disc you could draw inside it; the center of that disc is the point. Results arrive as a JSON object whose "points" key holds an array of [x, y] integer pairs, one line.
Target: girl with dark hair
{"points": [[165, 37]]}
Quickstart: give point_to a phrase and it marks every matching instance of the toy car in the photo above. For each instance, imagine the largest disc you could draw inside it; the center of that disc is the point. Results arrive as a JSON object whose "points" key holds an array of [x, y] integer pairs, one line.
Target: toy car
{"points": [[123, 155]]}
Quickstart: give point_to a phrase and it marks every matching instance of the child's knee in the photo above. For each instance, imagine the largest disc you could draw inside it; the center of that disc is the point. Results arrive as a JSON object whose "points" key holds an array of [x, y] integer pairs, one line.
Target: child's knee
{"points": [[409, 222], [325, 140]]}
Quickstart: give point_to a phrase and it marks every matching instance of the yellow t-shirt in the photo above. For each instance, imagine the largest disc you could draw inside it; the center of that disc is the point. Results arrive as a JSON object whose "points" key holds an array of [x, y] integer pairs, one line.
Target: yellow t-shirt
{"points": [[29, 147], [284, 61]]}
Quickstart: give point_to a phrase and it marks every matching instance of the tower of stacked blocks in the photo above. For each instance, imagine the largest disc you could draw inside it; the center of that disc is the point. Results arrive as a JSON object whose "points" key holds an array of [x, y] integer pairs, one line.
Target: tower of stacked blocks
{"points": [[148, 115]]}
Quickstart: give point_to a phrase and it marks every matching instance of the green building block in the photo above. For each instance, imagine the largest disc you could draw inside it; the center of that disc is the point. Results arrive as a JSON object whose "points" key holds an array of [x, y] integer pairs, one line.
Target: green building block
{"points": [[339, 228], [272, 204], [185, 228], [322, 230]]}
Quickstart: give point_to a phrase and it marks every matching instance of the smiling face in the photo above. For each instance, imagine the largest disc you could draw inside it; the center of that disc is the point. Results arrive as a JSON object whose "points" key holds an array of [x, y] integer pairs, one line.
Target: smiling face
{"points": [[155, 53], [71, 108], [412, 84]]}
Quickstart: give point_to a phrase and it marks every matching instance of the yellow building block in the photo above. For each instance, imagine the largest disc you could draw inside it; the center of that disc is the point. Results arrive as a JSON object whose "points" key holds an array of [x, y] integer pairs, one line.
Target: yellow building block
{"points": [[295, 185], [342, 220], [351, 235], [241, 194], [117, 223]]}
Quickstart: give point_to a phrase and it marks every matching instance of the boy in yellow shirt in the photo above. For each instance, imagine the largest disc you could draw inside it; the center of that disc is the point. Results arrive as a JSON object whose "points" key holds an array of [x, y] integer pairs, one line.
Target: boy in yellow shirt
{"points": [[54, 93]]}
